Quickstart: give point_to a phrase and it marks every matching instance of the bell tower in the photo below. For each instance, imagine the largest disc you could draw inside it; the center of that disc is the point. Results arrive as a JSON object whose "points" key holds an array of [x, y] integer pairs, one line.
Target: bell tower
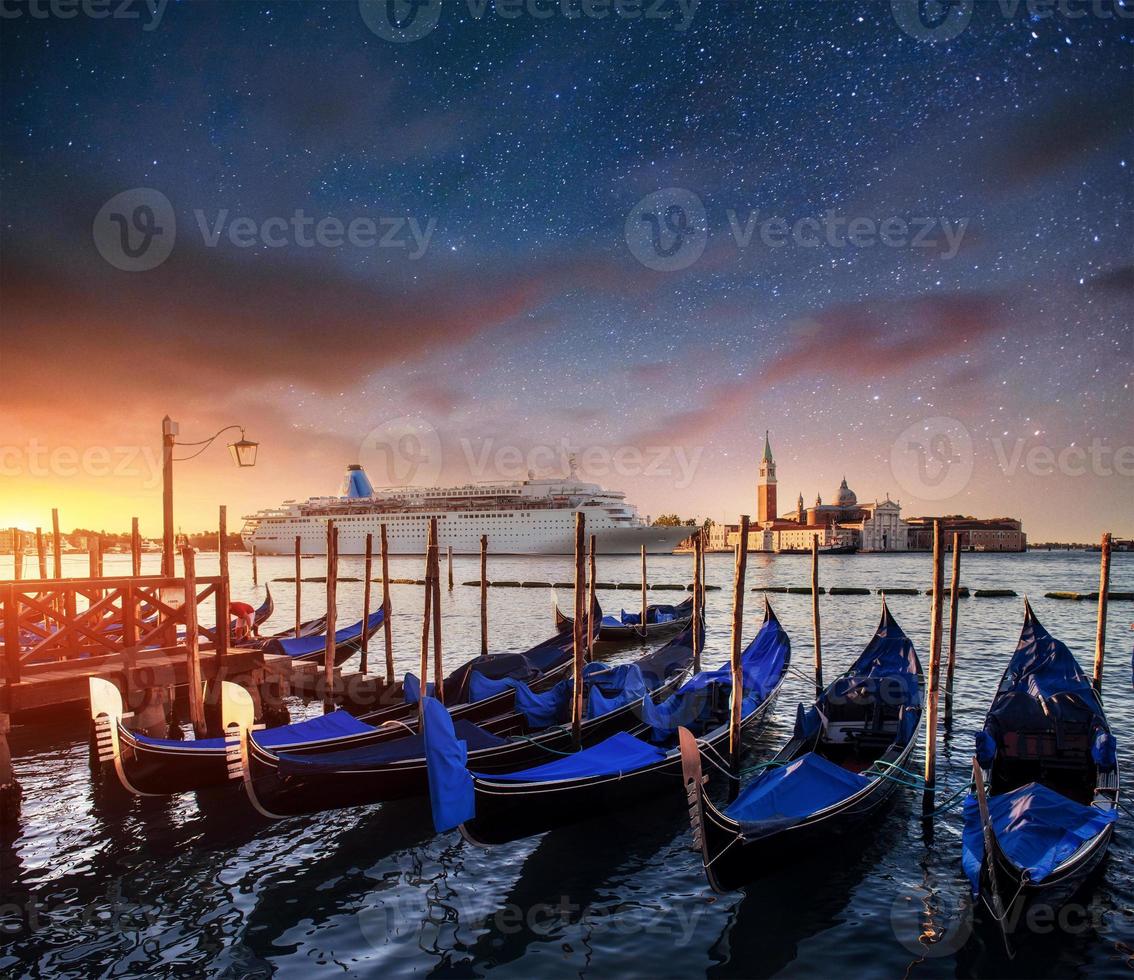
{"points": [[766, 485]]}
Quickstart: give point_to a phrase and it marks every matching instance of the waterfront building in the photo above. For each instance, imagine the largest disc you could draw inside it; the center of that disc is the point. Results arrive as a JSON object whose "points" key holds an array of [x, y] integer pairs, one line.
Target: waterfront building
{"points": [[993, 534]]}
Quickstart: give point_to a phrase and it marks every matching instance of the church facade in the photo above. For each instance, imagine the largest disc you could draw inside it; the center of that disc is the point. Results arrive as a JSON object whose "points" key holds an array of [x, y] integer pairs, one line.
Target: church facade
{"points": [[844, 523]]}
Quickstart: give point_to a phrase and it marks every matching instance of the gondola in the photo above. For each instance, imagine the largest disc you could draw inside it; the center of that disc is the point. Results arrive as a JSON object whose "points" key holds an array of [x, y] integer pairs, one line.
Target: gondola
{"points": [[634, 765], [661, 620], [154, 766], [283, 784], [1047, 779], [832, 775], [312, 648]]}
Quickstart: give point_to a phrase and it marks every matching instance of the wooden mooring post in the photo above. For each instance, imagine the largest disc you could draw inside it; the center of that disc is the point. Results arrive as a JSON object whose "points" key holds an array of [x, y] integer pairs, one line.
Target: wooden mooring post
{"points": [[56, 543], [645, 601], [135, 548], [1100, 626], [17, 555], [298, 586], [934, 678], [193, 645], [484, 595], [10, 792], [591, 630], [736, 697], [450, 554], [255, 570], [224, 590], [698, 612], [438, 667], [368, 569], [387, 626], [41, 553], [426, 618], [954, 595], [816, 631], [332, 615], [580, 649]]}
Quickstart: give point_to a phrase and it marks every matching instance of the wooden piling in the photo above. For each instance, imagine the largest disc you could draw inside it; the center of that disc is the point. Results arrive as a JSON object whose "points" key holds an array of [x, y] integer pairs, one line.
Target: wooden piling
{"points": [[934, 678], [591, 631], [41, 553], [255, 571], [450, 568], [17, 555], [387, 626], [56, 543], [815, 628], [579, 644], [332, 615], [484, 595], [1100, 627], [298, 585], [135, 548], [645, 604], [736, 697], [698, 612], [10, 792], [224, 590], [368, 569], [425, 621], [438, 667], [94, 556], [954, 595], [193, 645]]}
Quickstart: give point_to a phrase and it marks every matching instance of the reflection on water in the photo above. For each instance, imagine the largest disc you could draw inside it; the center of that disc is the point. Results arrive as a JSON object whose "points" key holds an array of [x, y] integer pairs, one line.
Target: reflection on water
{"points": [[97, 883]]}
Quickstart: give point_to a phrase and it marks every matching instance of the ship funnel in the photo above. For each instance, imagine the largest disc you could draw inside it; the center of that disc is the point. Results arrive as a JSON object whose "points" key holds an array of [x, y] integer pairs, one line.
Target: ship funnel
{"points": [[356, 483]]}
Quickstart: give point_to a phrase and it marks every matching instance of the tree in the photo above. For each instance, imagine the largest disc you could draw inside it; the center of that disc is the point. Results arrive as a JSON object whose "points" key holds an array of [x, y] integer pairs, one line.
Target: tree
{"points": [[667, 520]]}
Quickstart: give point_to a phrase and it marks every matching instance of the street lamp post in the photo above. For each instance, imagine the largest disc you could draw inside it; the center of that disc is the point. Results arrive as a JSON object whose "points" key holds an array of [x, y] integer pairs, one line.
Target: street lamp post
{"points": [[243, 454]]}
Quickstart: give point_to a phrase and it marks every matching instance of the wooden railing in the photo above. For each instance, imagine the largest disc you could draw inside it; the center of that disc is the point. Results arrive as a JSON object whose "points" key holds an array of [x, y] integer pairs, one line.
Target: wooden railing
{"points": [[42, 621]]}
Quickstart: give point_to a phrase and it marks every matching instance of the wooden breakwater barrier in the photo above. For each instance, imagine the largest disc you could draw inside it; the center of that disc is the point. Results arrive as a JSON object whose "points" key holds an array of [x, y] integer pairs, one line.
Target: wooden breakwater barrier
{"points": [[1090, 596], [608, 586]]}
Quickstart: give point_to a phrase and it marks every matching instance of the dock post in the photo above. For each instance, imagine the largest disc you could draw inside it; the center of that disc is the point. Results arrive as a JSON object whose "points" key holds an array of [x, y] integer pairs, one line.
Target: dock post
{"points": [[298, 587], [224, 596], [933, 681], [10, 792], [368, 568], [591, 603], [423, 667], [736, 696], [255, 571], [577, 631], [332, 616], [41, 553], [386, 625], [698, 543], [1100, 627], [450, 568], [484, 595], [17, 555], [954, 595], [56, 543], [816, 631], [645, 601], [438, 669], [193, 644], [135, 548]]}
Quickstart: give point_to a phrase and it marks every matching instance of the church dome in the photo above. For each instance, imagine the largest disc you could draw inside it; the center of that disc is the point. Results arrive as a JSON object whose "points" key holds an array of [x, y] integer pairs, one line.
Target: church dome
{"points": [[846, 496]]}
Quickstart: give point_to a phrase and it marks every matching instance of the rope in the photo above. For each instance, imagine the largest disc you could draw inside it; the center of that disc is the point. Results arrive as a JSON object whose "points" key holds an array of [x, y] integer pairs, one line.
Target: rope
{"points": [[540, 745]]}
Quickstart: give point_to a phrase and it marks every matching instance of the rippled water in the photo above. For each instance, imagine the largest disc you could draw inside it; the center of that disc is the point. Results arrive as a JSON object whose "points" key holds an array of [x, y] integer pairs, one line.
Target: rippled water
{"points": [[98, 885]]}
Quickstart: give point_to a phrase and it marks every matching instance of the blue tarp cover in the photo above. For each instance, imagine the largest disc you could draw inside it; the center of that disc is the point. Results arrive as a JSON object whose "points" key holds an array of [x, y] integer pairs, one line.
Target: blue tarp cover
{"points": [[627, 685], [761, 665], [451, 794], [541, 709], [1036, 828], [303, 646], [381, 753], [617, 754], [411, 689], [334, 725], [795, 791]]}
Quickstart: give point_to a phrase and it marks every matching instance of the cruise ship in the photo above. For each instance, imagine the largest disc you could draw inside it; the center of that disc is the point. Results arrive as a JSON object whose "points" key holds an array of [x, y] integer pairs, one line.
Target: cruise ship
{"points": [[523, 517]]}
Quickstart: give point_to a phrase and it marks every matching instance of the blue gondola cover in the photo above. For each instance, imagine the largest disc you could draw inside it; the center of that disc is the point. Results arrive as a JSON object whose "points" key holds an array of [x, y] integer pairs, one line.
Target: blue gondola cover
{"points": [[1036, 828], [451, 795], [302, 646], [793, 792], [618, 754], [541, 709]]}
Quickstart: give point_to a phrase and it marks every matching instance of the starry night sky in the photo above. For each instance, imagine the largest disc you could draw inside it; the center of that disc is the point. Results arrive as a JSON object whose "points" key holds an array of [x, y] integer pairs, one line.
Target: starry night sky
{"points": [[528, 319]]}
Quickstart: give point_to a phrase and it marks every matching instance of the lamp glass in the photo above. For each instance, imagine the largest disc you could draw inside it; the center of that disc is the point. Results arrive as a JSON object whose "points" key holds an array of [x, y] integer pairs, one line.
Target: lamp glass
{"points": [[244, 452]]}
